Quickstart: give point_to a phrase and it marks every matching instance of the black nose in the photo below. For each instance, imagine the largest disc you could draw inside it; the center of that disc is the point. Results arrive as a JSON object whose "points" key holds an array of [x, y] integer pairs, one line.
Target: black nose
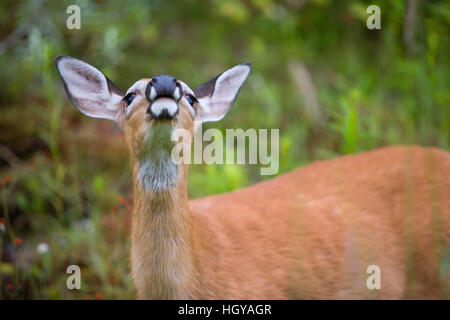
{"points": [[163, 93], [163, 86]]}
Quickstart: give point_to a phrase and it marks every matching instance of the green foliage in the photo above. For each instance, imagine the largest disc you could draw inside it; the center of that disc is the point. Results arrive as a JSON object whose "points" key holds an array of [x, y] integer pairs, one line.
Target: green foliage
{"points": [[369, 88]]}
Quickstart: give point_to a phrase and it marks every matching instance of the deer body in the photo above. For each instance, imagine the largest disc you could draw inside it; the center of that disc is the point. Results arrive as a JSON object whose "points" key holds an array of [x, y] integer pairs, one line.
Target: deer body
{"points": [[323, 226], [309, 234]]}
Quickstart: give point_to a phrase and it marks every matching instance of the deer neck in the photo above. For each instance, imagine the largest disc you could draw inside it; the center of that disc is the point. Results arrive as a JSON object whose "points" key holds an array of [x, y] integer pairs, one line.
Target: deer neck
{"points": [[163, 240]]}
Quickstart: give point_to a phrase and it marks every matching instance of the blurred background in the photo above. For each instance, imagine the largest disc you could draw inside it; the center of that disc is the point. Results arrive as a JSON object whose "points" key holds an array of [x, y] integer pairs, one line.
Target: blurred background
{"points": [[331, 86]]}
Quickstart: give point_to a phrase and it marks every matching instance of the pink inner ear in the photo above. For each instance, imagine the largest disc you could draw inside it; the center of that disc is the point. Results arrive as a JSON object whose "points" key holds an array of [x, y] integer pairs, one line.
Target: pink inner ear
{"points": [[226, 88], [82, 79], [228, 84], [88, 89]]}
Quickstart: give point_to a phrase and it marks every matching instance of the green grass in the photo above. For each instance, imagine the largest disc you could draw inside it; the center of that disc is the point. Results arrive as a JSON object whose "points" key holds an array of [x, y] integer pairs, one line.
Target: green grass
{"points": [[70, 178]]}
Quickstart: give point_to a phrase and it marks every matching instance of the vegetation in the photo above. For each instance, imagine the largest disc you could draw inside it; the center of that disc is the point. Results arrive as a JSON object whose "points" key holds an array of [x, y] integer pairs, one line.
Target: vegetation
{"points": [[331, 86]]}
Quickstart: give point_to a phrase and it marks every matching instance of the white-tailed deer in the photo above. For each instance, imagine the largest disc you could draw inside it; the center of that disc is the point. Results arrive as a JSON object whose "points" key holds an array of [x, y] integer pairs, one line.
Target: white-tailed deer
{"points": [[311, 233]]}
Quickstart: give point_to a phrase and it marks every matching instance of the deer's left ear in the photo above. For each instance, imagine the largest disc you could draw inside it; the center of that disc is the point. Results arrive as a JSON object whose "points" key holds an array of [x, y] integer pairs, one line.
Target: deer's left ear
{"points": [[89, 89], [217, 95]]}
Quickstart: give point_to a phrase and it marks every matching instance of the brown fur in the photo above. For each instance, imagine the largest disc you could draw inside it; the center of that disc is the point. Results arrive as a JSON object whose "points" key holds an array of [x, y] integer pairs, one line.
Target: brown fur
{"points": [[310, 233]]}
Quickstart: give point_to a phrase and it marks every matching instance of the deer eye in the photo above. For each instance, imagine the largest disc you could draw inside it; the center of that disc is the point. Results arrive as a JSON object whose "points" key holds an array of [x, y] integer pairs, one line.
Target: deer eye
{"points": [[191, 99], [129, 98]]}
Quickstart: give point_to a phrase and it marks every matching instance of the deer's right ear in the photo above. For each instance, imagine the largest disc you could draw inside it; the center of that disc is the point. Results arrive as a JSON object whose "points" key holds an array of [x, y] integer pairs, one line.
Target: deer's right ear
{"points": [[89, 89]]}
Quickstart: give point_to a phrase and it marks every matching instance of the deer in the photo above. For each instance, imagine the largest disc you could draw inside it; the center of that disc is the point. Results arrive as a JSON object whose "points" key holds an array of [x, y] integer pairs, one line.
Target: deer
{"points": [[312, 233]]}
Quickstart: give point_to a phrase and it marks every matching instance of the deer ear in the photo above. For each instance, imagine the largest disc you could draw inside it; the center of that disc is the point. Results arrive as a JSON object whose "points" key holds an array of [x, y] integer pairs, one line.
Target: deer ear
{"points": [[217, 95], [89, 89]]}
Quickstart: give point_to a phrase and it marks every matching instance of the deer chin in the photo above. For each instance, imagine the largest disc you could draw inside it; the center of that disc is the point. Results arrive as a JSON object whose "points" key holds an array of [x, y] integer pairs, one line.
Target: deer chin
{"points": [[156, 169]]}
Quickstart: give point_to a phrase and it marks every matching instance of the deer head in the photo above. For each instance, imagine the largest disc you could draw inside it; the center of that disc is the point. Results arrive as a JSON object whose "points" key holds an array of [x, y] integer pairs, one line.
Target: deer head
{"points": [[150, 110]]}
